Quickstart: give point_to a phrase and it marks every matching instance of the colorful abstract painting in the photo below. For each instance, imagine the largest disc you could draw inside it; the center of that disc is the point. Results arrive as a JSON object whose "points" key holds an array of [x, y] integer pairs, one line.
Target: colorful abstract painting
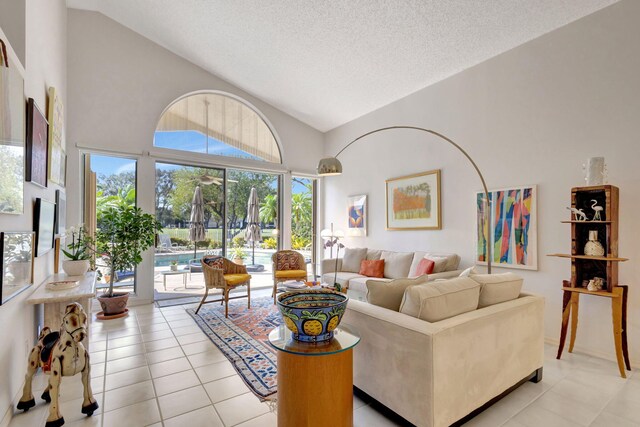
{"points": [[413, 202], [357, 215], [511, 229]]}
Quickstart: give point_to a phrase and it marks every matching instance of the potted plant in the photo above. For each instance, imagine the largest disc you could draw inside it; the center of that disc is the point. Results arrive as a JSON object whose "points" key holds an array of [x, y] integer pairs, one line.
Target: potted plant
{"points": [[174, 265], [330, 244], [78, 252], [124, 233], [238, 255]]}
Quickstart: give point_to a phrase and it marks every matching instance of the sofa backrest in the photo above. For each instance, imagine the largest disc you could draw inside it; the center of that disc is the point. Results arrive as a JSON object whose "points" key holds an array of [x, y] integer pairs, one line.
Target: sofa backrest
{"points": [[398, 264], [453, 260]]}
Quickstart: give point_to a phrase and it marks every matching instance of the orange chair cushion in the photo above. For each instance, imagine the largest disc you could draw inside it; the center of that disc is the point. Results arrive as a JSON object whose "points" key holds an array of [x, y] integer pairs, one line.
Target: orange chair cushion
{"points": [[236, 279], [287, 261], [372, 268], [291, 274]]}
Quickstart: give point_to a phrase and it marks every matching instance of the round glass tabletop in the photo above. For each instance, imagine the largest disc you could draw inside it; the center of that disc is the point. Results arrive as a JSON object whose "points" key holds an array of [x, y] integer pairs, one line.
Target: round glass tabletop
{"points": [[344, 338]]}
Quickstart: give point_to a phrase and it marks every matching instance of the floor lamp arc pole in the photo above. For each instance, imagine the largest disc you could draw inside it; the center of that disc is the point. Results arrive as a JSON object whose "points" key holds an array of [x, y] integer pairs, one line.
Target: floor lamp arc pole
{"points": [[332, 166]]}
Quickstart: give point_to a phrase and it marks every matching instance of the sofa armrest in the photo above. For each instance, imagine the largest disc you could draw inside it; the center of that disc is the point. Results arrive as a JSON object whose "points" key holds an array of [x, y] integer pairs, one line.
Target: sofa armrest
{"points": [[329, 265]]}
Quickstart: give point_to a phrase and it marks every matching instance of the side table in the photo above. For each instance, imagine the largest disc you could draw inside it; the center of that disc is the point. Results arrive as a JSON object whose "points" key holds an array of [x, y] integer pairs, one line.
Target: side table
{"points": [[315, 380]]}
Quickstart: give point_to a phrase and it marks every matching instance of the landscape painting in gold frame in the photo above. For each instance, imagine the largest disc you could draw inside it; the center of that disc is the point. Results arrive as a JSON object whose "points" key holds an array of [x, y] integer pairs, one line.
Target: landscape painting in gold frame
{"points": [[413, 202]]}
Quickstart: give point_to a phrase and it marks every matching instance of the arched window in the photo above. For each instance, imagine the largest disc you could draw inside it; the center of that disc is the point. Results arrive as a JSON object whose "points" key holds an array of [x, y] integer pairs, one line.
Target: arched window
{"points": [[217, 124]]}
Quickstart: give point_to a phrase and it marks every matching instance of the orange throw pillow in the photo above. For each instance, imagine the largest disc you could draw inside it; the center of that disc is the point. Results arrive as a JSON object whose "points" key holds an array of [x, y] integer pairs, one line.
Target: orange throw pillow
{"points": [[425, 266], [372, 268]]}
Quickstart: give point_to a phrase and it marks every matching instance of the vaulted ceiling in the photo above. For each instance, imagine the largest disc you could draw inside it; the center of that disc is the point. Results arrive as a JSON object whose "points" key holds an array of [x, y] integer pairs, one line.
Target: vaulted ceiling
{"points": [[329, 62]]}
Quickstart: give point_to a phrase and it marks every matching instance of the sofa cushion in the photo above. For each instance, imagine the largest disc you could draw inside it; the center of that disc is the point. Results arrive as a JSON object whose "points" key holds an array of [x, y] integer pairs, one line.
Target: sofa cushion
{"points": [[497, 288], [451, 264], [388, 293], [352, 259], [468, 272], [372, 268], [440, 300], [374, 254], [359, 283], [343, 278], [396, 264]]}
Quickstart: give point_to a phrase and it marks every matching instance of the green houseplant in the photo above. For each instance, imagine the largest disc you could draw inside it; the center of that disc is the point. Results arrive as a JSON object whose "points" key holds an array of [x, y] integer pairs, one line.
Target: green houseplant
{"points": [[78, 252], [125, 232], [238, 255]]}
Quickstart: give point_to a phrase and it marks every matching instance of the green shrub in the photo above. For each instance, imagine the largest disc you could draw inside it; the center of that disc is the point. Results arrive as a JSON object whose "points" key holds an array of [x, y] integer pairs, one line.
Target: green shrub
{"points": [[270, 243], [239, 241], [300, 242]]}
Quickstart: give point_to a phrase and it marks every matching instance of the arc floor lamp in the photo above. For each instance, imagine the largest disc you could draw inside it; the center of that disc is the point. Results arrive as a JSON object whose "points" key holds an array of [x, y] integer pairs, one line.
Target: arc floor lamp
{"points": [[331, 166]]}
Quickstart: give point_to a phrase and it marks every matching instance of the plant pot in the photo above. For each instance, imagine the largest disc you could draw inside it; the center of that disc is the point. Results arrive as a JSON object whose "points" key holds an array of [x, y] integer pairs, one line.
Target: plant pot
{"points": [[238, 261], [76, 267], [116, 304], [174, 268]]}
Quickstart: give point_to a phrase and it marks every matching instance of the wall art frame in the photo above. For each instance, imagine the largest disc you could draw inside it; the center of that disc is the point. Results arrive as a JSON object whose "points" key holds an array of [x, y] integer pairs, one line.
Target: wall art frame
{"points": [[37, 145], [357, 212], [16, 263], [413, 202]]}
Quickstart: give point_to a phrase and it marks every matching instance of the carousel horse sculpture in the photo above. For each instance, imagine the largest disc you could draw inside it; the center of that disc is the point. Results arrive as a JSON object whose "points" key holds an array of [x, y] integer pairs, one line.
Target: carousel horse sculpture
{"points": [[60, 354]]}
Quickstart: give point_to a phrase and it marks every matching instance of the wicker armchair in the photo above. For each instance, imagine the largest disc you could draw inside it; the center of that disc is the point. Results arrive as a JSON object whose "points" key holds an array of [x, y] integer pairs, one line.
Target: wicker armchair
{"points": [[287, 265], [220, 273]]}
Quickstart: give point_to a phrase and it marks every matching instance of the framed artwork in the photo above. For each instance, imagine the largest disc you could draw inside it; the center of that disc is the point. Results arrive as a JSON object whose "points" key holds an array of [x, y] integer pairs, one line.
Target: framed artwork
{"points": [[56, 138], [357, 215], [413, 202], [12, 136], [37, 142], [511, 230], [61, 213], [16, 263], [43, 224]]}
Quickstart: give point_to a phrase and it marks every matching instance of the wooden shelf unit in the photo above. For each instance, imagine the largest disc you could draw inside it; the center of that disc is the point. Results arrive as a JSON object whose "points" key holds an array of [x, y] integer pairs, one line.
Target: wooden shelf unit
{"points": [[586, 267]]}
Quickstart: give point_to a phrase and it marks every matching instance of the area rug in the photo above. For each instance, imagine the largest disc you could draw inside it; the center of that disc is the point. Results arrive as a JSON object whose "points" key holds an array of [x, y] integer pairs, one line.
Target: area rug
{"points": [[243, 338]]}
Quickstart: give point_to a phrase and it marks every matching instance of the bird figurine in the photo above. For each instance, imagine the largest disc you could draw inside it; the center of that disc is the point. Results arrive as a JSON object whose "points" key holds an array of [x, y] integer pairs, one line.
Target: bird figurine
{"points": [[597, 209], [578, 214]]}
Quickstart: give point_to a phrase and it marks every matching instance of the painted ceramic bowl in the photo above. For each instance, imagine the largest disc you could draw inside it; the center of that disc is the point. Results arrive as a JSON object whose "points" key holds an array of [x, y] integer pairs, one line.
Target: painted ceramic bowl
{"points": [[312, 315]]}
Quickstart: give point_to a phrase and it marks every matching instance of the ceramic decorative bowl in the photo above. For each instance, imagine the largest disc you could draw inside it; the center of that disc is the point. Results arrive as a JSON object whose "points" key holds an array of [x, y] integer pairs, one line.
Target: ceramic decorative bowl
{"points": [[312, 315]]}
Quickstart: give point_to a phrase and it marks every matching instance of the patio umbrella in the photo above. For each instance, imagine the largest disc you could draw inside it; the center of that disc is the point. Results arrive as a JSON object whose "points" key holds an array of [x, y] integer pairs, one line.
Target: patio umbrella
{"points": [[253, 233], [196, 226]]}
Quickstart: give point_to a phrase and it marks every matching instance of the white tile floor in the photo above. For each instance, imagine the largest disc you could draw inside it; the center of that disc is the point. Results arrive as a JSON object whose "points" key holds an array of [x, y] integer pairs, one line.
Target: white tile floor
{"points": [[157, 368]]}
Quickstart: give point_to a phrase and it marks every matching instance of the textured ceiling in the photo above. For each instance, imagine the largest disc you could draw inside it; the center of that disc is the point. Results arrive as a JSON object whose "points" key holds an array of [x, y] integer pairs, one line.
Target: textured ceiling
{"points": [[329, 62]]}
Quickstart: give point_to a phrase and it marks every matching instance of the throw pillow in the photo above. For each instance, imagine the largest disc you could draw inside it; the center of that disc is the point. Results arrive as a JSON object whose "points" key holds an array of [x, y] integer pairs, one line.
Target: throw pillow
{"points": [[440, 263], [469, 271], [437, 301], [352, 259], [214, 262], [396, 264], [388, 294], [497, 288], [287, 261], [425, 266], [372, 268]]}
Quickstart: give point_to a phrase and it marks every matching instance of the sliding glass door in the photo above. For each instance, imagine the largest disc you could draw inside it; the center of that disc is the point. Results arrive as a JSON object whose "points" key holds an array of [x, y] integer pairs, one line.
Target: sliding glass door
{"points": [[303, 213]]}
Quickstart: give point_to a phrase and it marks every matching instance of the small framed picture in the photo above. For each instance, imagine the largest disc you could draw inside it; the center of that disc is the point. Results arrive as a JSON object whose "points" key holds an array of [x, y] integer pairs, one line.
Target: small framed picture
{"points": [[61, 213], [357, 215], [37, 145]]}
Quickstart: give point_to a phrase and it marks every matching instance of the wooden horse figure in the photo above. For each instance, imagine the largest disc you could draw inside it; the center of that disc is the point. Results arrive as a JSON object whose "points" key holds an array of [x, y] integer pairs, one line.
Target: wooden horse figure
{"points": [[60, 354]]}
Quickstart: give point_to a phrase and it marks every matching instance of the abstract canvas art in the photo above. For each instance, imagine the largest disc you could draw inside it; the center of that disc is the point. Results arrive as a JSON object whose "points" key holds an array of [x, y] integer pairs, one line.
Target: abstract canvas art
{"points": [[56, 138], [512, 228], [413, 202], [357, 215]]}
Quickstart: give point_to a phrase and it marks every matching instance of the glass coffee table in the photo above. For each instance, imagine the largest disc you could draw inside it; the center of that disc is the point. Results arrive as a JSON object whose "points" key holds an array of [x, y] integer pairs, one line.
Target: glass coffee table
{"points": [[315, 380]]}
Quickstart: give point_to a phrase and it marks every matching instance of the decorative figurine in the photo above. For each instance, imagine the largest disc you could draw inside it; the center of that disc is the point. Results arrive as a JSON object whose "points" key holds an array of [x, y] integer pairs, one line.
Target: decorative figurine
{"points": [[60, 354], [593, 246], [578, 214], [597, 209], [596, 284]]}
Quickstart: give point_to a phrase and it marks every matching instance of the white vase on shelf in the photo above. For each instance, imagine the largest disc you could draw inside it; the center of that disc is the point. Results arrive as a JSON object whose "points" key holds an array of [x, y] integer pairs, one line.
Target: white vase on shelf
{"points": [[75, 267], [593, 246]]}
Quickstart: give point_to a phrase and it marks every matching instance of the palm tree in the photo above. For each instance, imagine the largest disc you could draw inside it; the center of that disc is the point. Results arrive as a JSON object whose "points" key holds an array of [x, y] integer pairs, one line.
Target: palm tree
{"points": [[269, 208], [301, 208]]}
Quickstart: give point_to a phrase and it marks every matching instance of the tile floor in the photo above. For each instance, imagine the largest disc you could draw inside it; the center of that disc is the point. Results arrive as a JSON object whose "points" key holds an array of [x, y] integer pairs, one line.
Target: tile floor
{"points": [[157, 368]]}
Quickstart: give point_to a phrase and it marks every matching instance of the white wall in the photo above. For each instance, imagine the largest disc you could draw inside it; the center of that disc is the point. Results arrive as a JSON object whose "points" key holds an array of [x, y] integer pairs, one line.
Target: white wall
{"points": [[120, 84], [532, 115], [45, 66]]}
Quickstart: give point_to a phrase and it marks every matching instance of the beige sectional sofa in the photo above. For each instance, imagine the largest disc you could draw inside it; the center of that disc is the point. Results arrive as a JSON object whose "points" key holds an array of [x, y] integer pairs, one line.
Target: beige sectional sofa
{"points": [[397, 265], [434, 373]]}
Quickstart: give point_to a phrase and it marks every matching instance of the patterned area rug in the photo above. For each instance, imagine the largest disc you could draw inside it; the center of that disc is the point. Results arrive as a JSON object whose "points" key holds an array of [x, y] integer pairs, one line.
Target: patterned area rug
{"points": [[243, 338]]}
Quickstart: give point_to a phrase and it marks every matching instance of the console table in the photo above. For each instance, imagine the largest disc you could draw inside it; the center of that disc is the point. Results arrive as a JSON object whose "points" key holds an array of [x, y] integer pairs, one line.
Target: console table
{"points": [[315, 380], [55, 302]]}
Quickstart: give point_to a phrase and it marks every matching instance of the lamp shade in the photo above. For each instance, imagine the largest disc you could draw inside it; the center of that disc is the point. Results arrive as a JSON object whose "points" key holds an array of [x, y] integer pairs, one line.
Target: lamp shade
{"points": [[328, 233], [329, 166]]}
